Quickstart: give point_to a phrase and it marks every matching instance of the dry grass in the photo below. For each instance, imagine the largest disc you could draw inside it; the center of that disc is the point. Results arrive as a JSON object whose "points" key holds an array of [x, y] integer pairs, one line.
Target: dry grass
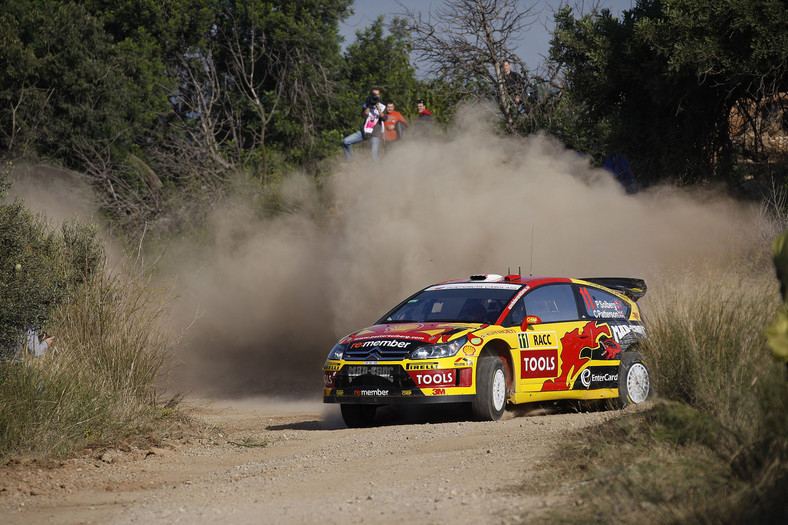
{"points": [[713, 447], [99, 385]]}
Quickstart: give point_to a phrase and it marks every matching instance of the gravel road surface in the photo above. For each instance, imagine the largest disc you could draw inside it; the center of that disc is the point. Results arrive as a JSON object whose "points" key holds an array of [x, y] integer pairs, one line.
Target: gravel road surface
{"points": [[270, 461]]}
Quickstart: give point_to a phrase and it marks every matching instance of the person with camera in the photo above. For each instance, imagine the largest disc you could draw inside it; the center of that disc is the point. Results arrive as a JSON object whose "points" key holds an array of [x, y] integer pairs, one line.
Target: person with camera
{"points": [[38, 342], [30, 343], [372, 111]]}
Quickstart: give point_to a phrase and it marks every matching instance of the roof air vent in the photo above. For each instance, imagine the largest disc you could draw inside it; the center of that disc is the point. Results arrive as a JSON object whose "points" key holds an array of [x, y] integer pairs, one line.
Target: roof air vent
{"points": [[487, 277]]}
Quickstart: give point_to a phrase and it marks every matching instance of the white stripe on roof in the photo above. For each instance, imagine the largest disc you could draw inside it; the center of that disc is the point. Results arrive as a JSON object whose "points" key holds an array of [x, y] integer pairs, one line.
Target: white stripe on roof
{"points": [[455, 286]]}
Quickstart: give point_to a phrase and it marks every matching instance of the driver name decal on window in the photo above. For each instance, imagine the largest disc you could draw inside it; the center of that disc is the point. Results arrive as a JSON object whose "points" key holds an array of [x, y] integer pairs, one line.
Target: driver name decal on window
{"points": [[602, 305]]}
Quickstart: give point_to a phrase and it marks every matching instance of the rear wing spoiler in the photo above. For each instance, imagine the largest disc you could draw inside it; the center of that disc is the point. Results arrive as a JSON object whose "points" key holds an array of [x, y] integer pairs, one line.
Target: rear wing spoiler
{"points": [[632, 288]]}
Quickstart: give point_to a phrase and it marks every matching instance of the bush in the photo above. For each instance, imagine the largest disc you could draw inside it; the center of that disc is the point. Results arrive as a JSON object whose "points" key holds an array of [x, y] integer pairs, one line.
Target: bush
{"points": [[708, 349], [40, 267], [713, 447], [98, 383]]}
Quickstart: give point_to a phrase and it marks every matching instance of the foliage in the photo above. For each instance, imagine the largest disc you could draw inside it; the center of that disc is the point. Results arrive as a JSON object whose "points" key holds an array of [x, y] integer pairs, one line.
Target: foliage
{"points": [[165, 102], [660, 83], [375, 60], [170, 25], [97, 382], [40, 268], [465, 44], [67, 90], [289, 75], [148, 98]]}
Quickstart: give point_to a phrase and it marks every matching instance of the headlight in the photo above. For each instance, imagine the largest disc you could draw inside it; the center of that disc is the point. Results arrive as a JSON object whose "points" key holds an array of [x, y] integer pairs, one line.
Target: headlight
{"points": [[439, 350], [337, 352]]}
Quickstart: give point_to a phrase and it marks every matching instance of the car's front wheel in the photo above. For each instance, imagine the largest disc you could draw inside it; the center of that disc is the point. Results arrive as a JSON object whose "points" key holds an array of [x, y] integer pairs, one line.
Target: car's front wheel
{"points": [[358, 416], [490, 401], [634, 380]]}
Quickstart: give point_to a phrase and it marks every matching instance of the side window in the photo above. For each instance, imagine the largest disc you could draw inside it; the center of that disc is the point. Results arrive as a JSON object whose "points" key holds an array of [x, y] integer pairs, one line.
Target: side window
{"points": [[551, 303], [603, 305]]}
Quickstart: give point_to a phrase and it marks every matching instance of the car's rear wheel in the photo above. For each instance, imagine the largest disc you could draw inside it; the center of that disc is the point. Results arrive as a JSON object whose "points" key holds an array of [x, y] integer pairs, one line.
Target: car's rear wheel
{"points": [[358, 416], [490, 401], [634, 380]]}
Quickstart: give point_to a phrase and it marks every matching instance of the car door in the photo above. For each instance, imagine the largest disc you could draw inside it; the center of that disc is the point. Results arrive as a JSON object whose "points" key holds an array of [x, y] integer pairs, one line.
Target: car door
{"points": [[549, 350], [608, 332]]}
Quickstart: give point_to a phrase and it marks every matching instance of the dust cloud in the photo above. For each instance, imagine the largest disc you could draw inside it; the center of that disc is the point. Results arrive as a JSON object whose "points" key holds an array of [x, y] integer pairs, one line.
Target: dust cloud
{"points": [[260, 302], [267, 299], [61, 195], [57, 193]]}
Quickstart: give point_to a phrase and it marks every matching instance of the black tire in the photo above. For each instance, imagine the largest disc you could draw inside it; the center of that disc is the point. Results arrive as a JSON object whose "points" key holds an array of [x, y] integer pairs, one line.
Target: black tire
{"points": [[358, 416], [490, 401], [634, 380]]}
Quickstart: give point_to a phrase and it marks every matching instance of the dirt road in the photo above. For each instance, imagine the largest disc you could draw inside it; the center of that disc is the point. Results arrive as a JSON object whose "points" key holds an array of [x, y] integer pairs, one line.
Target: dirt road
{"points": [[264, 461]]}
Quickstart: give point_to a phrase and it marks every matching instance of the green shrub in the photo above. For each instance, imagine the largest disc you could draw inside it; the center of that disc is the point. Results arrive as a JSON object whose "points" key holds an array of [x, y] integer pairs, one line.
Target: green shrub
{"points": [[40, 267], [97, 383]]}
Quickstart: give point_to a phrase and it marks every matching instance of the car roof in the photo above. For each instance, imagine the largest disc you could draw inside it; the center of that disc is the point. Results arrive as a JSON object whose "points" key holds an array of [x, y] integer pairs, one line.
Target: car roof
{"points": [[631, 287], [508, 279]]}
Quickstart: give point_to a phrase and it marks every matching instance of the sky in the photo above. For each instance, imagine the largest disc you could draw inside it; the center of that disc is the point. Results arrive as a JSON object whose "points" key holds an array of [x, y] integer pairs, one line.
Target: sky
{"points": [[533, 46]]}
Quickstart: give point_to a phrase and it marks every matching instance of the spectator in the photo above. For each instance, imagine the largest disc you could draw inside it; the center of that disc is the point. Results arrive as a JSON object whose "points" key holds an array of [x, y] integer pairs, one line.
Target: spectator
{"points": [[423, 125], [621, 168], [371, 129], [38, 342], [515, 85], [31, 343], [394, 123]]}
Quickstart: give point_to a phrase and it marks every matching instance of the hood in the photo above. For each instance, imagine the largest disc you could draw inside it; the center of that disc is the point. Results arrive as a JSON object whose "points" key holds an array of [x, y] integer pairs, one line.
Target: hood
{"points": [[430, 333]]}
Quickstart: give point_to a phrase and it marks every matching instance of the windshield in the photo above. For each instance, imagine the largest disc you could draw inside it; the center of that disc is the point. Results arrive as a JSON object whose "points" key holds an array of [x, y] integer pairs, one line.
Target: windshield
{"points": [[472, 303]]}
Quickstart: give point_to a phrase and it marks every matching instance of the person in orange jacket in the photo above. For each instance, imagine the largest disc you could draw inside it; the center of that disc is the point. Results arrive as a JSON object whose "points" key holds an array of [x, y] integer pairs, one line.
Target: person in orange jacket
{"points": [[394, 123]]}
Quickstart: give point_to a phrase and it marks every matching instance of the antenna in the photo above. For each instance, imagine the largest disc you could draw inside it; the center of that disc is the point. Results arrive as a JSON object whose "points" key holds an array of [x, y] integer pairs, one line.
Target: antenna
{"points": [[531, 273]]}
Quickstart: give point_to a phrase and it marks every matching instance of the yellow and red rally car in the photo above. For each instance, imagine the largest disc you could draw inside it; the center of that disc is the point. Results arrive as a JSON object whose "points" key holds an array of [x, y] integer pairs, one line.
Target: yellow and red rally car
{"points": [[489, 340]]}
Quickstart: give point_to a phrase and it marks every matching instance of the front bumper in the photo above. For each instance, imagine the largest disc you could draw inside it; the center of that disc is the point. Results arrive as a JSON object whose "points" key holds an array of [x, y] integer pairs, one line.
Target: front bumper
{"points": [[392, 398], [386, 383]]}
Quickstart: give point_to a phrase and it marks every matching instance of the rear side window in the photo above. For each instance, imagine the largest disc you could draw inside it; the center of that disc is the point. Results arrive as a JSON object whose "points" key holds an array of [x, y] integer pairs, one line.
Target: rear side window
{"points": [[602, 305], [551, 303]]}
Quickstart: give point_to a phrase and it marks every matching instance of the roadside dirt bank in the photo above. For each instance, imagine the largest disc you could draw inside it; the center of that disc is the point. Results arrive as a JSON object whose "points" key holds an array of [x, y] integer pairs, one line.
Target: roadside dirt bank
{"points": [[271, 461]]}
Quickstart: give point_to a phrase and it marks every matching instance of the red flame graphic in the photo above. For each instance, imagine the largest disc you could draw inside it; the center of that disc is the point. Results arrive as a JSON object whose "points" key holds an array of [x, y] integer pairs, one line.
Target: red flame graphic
{"points": [[573, 344]]}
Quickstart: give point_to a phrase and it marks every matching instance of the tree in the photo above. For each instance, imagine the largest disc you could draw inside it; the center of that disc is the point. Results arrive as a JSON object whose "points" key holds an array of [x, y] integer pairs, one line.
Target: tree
{"points": [[465, 44], [70, 94], [263, 75], [375, 60], [67, 88], [173, 25], [737, 51], [661, 82]]}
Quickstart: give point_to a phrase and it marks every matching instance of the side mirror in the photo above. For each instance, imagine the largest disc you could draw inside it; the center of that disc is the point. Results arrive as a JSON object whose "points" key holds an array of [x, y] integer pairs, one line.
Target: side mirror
{"points": [[529, 320]]}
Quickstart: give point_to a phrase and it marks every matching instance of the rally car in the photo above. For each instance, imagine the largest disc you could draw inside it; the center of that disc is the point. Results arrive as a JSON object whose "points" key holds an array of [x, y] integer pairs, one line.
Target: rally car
{"points": [[491, 340]]}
